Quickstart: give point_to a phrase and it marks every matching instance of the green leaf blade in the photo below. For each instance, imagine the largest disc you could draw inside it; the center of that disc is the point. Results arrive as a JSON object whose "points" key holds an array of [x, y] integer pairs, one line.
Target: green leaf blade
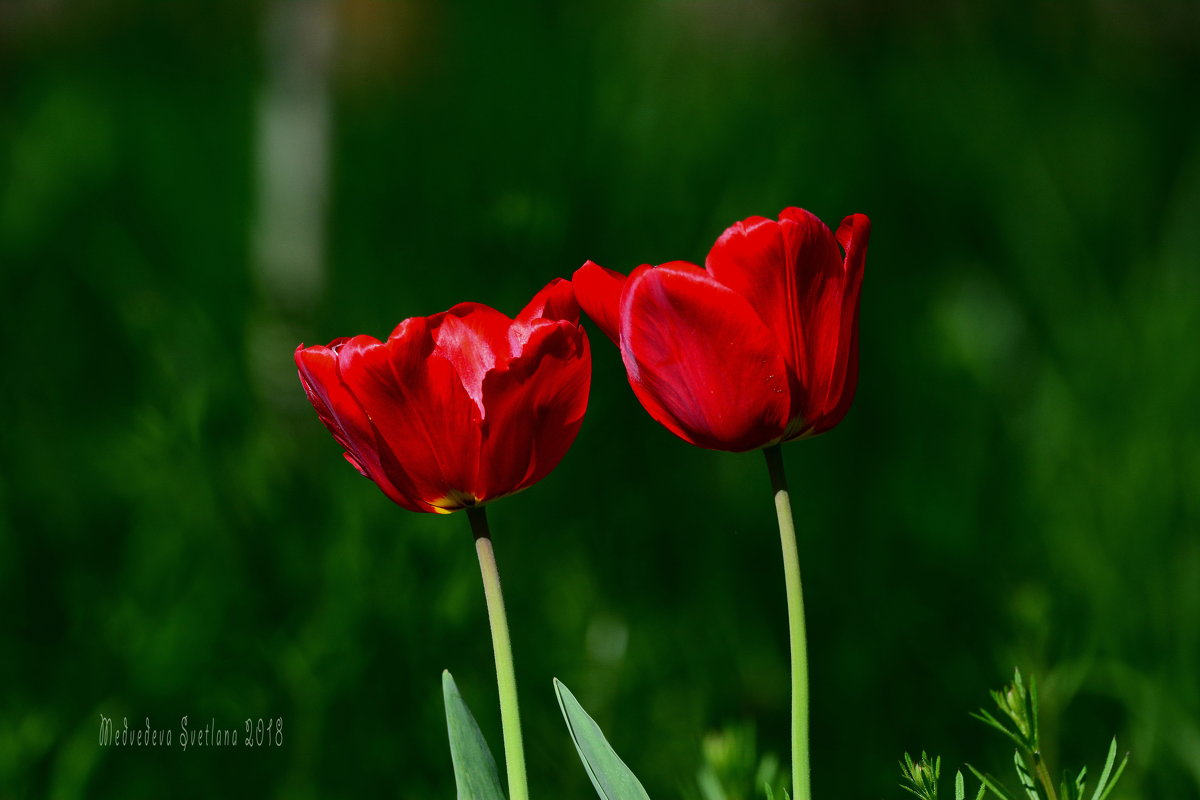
{"points": [[475, 772], [611, 777], [1025, 777], [1105, 786], [991, 784], [987, 718]]}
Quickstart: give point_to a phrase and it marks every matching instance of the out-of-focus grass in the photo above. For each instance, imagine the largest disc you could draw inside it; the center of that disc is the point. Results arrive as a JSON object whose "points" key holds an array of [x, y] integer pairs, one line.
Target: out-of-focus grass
{"points": [[1015, 485]]}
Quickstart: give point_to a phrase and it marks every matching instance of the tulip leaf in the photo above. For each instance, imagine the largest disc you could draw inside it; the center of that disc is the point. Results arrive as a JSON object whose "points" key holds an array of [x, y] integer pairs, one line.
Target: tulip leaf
{"points": [[612, 779], [475, 772]]}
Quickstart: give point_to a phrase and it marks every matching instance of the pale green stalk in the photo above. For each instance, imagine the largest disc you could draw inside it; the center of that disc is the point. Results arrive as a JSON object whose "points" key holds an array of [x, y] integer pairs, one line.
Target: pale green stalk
{"points": [[801, 789], [1044, 776], [506, 677]]}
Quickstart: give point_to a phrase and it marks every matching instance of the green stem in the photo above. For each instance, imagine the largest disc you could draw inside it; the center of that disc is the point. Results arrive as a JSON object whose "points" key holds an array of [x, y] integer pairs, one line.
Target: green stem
{"points": [[801, 789], [506, 677], [1044, 776]]}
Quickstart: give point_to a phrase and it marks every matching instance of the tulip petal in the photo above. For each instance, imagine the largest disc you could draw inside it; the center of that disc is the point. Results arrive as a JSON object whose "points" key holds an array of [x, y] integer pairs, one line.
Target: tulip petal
{"points": [[701, 361], [344, 418], [781, 267], [598, 291], [853, 234], [556, 300], [535, 406], [467, 336], [415, 399]]}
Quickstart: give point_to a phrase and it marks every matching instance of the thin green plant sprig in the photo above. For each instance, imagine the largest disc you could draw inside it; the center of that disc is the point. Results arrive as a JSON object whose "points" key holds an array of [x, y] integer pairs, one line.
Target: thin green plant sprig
{"points": [[1018, 705], [921, 778]]}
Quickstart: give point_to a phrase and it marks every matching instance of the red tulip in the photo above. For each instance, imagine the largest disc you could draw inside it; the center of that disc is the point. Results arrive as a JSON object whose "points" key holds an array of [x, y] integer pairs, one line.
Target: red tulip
{"points": [[460, 408], [760, 347]]}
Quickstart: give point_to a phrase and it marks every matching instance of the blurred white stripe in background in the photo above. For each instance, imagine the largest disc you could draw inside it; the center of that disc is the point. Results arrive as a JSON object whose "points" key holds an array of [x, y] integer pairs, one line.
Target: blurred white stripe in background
{"points": [[292, 152]]}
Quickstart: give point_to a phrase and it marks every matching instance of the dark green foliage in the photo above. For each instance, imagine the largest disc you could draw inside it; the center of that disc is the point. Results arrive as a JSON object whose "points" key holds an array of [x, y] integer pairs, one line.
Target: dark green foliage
{"points": [[1016, 481]]}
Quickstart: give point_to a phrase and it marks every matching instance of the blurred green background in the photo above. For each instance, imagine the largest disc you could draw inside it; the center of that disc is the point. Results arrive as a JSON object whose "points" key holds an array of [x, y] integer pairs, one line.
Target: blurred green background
{"points": [[189, 189]]}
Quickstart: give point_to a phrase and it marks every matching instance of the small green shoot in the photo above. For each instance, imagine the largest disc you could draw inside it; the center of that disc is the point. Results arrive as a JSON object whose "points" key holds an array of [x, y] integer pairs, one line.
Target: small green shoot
{"points": [[1018, 722]]}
